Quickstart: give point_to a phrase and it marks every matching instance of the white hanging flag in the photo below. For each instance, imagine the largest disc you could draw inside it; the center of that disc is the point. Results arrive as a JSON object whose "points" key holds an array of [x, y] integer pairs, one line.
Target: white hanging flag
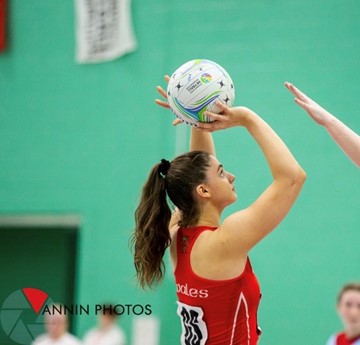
{"points": [[104, 30]]}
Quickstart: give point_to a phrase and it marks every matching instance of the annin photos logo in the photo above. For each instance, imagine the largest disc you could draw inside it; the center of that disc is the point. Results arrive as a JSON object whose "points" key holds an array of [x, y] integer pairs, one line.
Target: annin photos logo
{"points": [[20, 315]]}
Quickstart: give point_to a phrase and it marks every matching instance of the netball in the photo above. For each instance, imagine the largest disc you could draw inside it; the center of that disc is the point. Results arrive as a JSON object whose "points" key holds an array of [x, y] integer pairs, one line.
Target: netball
{"points": [[195, 87]]}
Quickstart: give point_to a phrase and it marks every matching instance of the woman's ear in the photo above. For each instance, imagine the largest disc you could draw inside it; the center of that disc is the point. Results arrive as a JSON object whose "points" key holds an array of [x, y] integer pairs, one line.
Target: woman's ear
{"points": [[203, 191]]}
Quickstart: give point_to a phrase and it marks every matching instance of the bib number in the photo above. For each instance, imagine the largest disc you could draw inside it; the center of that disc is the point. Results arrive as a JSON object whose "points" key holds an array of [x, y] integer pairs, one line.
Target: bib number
{"points": [[194, 330]]}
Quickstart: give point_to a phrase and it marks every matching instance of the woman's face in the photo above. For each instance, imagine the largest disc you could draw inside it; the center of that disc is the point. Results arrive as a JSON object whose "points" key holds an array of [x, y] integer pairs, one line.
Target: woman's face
{"points": [[349, 309], [220, 184], [107, 320], [56, 325]]}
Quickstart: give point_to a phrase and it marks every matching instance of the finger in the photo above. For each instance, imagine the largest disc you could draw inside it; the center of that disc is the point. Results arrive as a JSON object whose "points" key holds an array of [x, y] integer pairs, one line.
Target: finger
{"points": [[288, 86], [298, 93], [167, 78], [209, 126], [161, 91], [293, 89], [302, 104], [213, 116], [176, 122], [223, 107], [162, 103]]}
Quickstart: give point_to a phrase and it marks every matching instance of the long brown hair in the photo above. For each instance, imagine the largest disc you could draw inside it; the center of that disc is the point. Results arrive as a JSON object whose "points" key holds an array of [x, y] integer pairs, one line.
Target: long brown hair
{"points": [[151, 236]]}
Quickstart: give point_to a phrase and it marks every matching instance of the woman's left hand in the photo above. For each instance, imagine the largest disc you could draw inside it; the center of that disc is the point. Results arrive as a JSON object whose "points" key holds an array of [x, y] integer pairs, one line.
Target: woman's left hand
{"points": [[165, 104]]}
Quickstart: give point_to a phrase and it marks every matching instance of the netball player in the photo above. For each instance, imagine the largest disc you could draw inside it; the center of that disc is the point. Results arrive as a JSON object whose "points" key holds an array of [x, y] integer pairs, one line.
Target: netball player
{"points": [[218, 292]]}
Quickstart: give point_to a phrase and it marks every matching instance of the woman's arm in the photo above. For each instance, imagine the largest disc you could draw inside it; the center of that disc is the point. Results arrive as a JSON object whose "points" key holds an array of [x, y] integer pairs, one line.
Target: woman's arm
{"points": [[243, 229], [346, 138], [201, 141]]}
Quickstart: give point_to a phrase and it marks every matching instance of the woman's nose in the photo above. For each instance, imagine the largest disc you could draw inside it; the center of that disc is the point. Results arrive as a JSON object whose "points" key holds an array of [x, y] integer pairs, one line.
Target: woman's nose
{"points": [[231, 178]]}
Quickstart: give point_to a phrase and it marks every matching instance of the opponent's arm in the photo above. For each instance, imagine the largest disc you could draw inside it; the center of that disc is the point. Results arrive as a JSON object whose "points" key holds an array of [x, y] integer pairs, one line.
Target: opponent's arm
{"points": [[346, 138]]}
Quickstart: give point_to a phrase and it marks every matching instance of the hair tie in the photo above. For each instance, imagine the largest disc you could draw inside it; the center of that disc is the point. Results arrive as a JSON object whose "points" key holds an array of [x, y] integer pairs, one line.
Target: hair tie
{"points": [[164, 167]]}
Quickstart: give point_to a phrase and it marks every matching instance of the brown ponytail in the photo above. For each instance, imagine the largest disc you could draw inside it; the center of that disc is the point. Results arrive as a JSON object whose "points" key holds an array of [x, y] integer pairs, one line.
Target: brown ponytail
{"points": [[151, 236], [177, 181]]}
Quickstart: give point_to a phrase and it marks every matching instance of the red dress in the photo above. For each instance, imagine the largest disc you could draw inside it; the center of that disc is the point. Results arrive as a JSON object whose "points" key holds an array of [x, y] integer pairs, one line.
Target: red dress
{"points": [[214, 312]]}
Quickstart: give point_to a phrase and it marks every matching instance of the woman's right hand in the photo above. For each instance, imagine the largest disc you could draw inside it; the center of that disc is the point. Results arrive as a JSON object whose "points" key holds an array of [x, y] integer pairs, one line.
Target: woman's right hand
{"points": [[228, 117]]}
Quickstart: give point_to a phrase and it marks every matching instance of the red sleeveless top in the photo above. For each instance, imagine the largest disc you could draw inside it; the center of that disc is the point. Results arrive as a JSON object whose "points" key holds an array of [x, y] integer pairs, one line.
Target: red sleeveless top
{"points": [[214, 312]]}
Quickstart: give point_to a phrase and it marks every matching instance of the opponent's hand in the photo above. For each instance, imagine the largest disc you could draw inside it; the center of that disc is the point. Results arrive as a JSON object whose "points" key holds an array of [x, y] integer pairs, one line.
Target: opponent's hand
{"points": [[318, 113], [165, 104], [228, 117]]}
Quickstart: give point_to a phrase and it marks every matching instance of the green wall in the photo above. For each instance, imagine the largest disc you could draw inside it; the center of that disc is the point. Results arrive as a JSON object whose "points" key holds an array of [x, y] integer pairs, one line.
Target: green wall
{"points": [[81, 139]]}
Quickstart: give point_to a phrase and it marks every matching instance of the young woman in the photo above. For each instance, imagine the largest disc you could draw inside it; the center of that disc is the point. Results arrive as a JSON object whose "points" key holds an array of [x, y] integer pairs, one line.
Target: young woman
{"points": [[348, 308], [344, 137], [218, 293]]}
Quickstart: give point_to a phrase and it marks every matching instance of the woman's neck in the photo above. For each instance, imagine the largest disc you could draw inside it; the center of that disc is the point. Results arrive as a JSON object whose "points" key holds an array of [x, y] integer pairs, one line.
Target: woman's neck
{"points": [[209, 218], [352, 332], [209, 215]]}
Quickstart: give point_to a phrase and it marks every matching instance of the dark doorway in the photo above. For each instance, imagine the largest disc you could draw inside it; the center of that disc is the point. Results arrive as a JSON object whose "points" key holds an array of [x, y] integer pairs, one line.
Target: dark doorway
{"points": [[41, 253]]}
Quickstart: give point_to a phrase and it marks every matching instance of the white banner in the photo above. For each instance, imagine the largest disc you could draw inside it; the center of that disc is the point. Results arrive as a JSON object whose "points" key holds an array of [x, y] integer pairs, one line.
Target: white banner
{"points": [[104, 30]]}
